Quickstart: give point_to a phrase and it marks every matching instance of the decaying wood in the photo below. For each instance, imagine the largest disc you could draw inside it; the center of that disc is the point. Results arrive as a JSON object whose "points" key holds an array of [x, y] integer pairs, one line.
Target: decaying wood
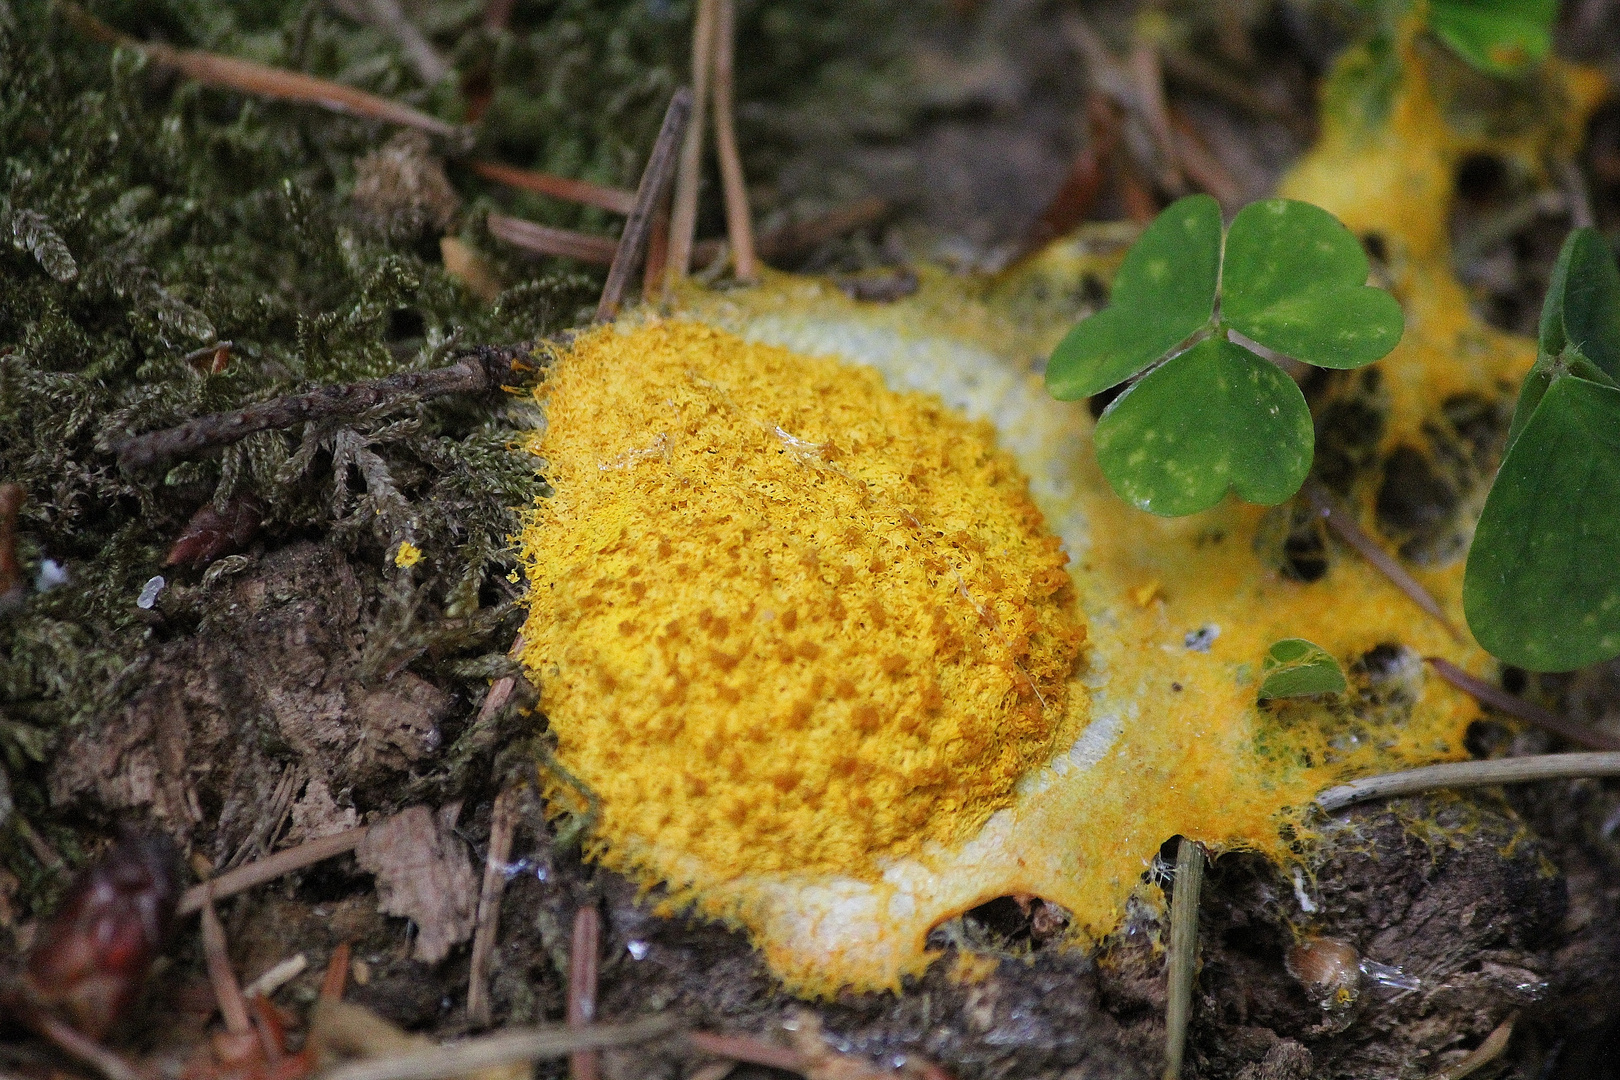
{"points": [[484, 370], [655, 181], [422, 875]]}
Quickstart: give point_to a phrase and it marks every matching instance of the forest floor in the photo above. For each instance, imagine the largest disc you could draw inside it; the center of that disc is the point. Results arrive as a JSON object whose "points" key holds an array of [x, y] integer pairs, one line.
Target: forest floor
{"points": [[290, 678]]}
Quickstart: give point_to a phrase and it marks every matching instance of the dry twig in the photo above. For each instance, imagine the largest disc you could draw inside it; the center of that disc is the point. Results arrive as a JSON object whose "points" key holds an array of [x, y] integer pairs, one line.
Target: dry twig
{"points": [[739, 224], [12, 589], [481, 371], [71, 1041], [1520, 709], [683, 214], [1459, 774], [747, 1048], [655, 181], [471, 1055], [550, 241], [584, 958], [618, 200], [227, 991], [502, 826], [269, 868], [263, 80], [1344, 526], [1182, 962]]}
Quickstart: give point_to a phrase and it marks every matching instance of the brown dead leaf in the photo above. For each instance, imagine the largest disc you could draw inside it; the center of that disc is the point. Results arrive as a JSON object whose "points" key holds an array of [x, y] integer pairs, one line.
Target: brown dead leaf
{"points": [[422, 874]]}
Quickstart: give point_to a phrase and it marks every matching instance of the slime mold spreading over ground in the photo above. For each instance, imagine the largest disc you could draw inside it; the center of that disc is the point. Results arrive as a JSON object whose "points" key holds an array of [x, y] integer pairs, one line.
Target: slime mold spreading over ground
{"points": [[787, 620], [808, 642]]}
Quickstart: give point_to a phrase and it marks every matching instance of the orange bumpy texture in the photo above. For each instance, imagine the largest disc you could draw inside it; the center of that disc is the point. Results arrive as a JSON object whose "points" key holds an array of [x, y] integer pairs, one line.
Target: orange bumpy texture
{"points": [[783, 618]]}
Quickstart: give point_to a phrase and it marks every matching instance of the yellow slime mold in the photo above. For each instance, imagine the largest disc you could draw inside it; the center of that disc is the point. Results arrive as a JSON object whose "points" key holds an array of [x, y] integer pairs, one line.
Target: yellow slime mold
{"points": [[840, 821]]}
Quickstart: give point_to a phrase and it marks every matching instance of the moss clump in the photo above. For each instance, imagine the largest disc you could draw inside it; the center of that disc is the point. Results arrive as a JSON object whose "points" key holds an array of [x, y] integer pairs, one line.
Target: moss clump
{"points": [[142, 218], [785, 620]]}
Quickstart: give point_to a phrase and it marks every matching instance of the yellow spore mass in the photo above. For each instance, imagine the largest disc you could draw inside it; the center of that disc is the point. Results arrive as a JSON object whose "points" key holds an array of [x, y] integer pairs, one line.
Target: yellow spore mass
{"points": [[785, 619]]}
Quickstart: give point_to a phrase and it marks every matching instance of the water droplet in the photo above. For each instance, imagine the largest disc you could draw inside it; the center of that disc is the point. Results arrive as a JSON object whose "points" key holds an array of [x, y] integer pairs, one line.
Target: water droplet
{"points": [[149, 593]]}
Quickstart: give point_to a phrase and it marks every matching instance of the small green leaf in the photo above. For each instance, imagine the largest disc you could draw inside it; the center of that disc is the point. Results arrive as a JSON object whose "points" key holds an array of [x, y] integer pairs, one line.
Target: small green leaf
{"points": [[1294, 667], [1295, 280], [1164, 293], [1542, 587], [1217, 417], [1582, 309], [1496, 36]]}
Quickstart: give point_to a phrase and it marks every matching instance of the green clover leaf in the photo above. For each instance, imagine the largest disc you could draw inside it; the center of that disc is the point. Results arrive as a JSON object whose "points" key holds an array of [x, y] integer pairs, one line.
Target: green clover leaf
{"points": [[1294, 667], [1582, 310], [1164, 293], [1215, 418], [1497, 36], [1542, 586], [1295, 280]]}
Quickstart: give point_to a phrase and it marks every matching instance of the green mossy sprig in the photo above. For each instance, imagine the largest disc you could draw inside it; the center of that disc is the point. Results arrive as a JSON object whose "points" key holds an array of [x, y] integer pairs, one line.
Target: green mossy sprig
{"points": [[143, 217]]}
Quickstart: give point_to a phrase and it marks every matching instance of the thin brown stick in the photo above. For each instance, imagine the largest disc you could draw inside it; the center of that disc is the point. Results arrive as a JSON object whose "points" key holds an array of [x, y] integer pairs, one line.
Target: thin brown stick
{"points": [[1459, 774], [481, 371], [263, 80], [337, 973], [584, 960], [803, 237], [1199, 163], [1344, 526], [269, 868], [747, 1048], [11, 576], [502, 826], [655, 181], [71, 1041], [1148, 79], [1196, 73], [556, 243], [1518, 708], [1182, 961], [656, 265], [615, 199], [683, 214], [508, 1047], [739, 224], [227, 991]]}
